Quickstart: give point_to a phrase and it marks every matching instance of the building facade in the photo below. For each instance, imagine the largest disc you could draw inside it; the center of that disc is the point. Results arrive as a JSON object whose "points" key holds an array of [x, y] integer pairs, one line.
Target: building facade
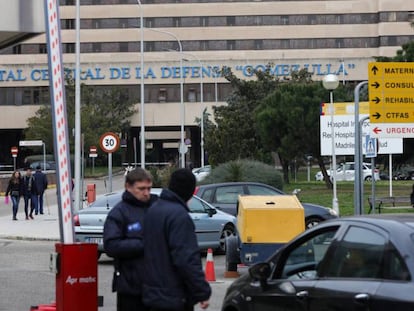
{"points": [[328, 36]]}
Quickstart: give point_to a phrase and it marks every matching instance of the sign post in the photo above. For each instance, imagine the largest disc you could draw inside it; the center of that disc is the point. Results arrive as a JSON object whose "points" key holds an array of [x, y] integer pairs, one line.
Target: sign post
{"points": [[109, 143], [391, 97], [14, 151], [93, 154]]}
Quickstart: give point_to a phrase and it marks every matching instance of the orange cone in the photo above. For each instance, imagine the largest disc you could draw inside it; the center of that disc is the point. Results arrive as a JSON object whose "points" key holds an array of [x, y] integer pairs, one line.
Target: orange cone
{"points": [[210, 273]]}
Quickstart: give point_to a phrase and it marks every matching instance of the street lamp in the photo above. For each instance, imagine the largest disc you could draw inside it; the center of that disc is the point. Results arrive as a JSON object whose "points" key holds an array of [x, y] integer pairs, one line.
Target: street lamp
{"points": [[141, 22], [202, 107], [331, 82], [182, 149]]}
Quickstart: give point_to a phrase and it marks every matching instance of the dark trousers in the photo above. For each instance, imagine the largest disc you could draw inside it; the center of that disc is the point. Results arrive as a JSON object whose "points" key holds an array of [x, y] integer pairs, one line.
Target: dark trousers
{"points": [[130, 303], [35, 205], [186, 308], [28, 198], [15, 203]]}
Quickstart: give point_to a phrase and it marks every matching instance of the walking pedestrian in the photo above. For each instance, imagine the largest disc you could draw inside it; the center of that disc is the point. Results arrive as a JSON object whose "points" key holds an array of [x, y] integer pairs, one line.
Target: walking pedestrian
{"points": [[15, 189], [40, 185], [174, 278], [29, 193], [123, 239]]}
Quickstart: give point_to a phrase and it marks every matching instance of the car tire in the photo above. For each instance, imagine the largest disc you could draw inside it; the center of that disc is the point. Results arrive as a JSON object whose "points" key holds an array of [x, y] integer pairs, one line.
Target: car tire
{"points": [[228, 230], [232, 253], [312, 221], [368, 178]]}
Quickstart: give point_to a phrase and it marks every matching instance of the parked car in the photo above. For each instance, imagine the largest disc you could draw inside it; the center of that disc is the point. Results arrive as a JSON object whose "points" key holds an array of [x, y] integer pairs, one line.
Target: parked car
{"points": [[212, 226], [224, 197], [355, 263], [50, 165], [346, 172], [201, 172]]}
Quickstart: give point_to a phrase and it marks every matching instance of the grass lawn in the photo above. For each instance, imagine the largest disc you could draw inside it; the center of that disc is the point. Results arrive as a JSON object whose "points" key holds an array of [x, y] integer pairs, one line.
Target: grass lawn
{"points": [[316, 192]]}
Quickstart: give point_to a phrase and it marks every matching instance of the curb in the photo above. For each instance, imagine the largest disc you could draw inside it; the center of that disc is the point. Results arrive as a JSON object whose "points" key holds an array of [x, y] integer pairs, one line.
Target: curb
{"points": [[23, 238]]}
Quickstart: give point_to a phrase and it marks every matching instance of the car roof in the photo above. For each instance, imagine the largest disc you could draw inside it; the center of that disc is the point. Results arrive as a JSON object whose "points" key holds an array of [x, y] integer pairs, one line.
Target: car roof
{"points": [[235, 183], [388, 221]]}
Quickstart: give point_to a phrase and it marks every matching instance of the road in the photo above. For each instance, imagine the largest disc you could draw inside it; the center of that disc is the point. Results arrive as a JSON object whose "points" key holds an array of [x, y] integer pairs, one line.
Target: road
{"points": [[25, 279]]}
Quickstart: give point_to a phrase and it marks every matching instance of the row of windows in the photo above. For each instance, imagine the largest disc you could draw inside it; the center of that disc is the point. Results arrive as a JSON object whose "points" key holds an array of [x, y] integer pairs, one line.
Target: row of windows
{"points": [[153, 93], [220, 21], [219, 45]]}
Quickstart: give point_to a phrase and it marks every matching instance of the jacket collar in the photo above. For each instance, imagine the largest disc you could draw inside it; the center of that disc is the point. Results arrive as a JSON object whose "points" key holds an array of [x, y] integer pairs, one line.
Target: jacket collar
{"points": [[130, 199], [169, 195]]}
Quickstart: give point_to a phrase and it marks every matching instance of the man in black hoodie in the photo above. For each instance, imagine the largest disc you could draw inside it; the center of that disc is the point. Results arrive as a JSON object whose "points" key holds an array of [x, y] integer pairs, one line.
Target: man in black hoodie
{"points": [[123, 239], [174, 275]]}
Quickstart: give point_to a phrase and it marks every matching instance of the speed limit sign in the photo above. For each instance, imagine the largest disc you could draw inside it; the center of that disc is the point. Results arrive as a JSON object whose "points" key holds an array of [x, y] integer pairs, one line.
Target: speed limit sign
{"points": [[109, 142]]}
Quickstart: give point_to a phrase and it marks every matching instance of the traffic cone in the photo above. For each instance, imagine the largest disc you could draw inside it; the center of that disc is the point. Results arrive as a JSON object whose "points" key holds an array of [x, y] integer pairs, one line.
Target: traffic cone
{"points": [[210, 273]]}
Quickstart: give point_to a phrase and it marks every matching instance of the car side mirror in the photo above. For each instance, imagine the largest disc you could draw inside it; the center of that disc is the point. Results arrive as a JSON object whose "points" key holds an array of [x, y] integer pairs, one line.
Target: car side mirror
{"points": [[261, 272], [211, 212]]}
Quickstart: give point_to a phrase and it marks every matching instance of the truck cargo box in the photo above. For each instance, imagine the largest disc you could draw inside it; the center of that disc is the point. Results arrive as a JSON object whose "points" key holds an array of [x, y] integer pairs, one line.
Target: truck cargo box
{"points": [[269, 219]]}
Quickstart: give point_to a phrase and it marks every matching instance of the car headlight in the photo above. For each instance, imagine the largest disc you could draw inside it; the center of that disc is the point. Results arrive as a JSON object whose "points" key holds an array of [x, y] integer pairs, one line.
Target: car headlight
{"points": [[332, 212]]}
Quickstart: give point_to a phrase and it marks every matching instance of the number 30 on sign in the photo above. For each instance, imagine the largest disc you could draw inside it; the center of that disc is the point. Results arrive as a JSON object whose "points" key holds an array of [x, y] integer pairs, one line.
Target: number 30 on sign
{"points": [[109, 142]]}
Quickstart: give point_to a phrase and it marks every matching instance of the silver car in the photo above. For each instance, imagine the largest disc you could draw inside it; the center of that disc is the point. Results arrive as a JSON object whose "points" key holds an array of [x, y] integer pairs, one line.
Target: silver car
{"points": [[212, 226]]}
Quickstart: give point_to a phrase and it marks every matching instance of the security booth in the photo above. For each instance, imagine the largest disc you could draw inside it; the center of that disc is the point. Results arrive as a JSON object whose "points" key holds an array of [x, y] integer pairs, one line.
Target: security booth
{"points": [[264, 224]]}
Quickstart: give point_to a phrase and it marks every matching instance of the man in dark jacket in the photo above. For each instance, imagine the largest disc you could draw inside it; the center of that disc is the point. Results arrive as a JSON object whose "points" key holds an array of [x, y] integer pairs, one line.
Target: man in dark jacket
{"points": [[29, 193], [174, 274], [41, 185], [123, 239]]}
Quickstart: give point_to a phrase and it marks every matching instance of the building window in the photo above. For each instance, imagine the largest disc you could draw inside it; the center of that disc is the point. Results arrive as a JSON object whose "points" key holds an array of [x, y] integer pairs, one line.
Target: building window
{"points": [[231, 20], [149, 46], [69, 48], [162, 95], [258, 44], [123, 47], [192, 96], [96, 24], [96, 47], [42, 49], [177, 22], [204, 21], [231, 45], [149, 22], [258, 20], [17, 49], [204, 45], [285, 20], [339, 43]]}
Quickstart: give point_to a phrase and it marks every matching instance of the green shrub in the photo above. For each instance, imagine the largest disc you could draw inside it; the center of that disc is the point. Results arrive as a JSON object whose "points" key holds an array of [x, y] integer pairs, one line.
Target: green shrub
{"points": [[161, 176], [245, 170]]}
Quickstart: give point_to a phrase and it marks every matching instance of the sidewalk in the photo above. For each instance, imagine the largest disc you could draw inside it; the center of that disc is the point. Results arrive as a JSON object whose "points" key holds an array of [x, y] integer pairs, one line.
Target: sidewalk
{"points": [[46, 226], [43, 227]]}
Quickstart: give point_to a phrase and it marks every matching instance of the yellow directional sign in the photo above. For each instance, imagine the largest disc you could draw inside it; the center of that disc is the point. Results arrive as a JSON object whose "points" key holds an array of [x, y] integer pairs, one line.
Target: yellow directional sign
{"points": [[391, 92], [344, 108]]}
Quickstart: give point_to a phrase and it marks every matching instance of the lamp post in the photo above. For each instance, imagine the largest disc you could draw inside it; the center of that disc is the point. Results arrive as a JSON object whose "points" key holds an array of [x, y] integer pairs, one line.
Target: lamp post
{"points": [[202, 107], [141, 23], [331, 82], [182, 149]]}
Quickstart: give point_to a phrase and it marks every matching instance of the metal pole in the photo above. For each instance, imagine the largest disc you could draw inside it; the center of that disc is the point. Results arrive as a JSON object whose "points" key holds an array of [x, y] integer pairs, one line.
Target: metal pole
{"points": [[142, 86], [44, 156], [110, 171], [14, 163], [335, 204], [135, 152], [373, 185], [361, 175], [93, 166], [77, 113], [182, 110], [358, 200], [390, 174], [202, 107]]}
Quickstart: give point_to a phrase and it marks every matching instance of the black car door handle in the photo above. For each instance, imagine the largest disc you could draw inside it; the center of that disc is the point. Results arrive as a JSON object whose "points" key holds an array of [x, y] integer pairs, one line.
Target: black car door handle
{"points": [[302, 294], [362, 298]]}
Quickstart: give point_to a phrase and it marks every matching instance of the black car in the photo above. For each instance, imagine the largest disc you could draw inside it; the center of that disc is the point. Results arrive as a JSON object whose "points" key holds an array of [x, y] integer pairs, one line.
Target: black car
{"points": [[355, 263], [224, 196]]}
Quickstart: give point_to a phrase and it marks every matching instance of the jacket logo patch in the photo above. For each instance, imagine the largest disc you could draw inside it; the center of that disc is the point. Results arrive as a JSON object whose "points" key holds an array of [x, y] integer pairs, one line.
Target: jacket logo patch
{"points": [[135, 227]]}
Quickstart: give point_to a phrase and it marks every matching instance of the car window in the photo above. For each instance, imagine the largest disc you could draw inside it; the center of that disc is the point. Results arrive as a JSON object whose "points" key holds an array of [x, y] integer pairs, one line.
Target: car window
{"points": [[260, 190], [228, 194], [196, 206], [396, 269], [302, 261], [207, 194], [359, 255]]}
